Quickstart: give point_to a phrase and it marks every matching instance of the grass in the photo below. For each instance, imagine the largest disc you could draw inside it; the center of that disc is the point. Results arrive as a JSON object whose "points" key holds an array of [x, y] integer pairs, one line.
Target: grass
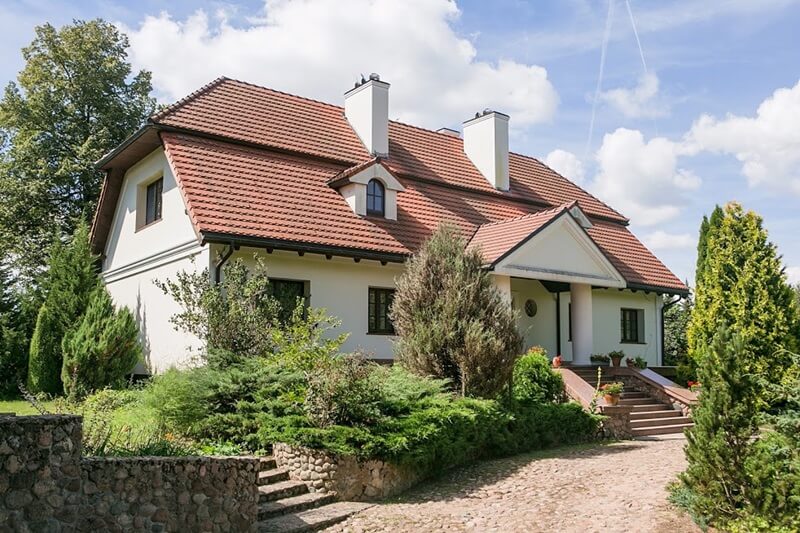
{"points": [[22, 407], [133, 416]]}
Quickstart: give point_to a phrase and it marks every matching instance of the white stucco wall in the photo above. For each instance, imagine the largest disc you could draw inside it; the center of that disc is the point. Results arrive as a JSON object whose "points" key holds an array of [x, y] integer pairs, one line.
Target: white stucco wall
{"points": [[338, 285], [136, 256]]}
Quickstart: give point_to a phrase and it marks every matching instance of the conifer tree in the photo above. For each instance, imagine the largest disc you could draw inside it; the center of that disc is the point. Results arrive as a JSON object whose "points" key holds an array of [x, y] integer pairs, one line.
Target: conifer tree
{"points": [[70, 280], [742, 284], [707, 227], [725, 420], [102, 349], [450, 319]]}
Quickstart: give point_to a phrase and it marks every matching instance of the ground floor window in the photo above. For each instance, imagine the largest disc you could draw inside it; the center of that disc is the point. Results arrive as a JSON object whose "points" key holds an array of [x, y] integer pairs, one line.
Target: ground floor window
{"points": [[289, 293], [380, 301], [632, 325]]}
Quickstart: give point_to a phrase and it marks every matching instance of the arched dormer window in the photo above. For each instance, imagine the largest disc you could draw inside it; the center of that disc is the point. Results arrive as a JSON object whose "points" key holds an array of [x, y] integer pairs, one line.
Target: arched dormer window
{"points": [[376, 198]]}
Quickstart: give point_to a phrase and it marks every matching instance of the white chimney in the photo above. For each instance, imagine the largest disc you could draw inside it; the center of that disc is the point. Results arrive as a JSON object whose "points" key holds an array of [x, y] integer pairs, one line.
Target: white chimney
{"points": [[486, 144], [366, 107]]}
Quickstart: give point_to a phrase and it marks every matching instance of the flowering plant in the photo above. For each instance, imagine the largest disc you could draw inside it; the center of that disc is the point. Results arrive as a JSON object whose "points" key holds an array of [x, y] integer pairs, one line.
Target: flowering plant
{"points": [[613, 389]]}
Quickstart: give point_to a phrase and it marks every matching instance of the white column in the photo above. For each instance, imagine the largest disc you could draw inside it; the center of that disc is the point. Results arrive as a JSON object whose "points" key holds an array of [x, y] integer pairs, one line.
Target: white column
{"points": [[503, 284], [582, 338]]}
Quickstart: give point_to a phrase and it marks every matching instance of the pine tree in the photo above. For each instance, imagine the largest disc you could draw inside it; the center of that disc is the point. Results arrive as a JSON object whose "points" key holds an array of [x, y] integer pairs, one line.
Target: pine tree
{"points": [[742, 284], [725, 420], [450, 319], [102, 349], [70, 280]]}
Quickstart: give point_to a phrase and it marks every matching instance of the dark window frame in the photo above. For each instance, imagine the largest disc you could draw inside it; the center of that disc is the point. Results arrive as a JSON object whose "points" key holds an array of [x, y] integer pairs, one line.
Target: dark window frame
{"points": [[154, 201], [376, 193], [631, 325], [379, 302]]}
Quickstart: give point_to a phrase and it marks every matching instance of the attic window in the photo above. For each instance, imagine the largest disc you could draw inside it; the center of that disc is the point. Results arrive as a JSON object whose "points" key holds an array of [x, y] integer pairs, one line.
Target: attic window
{"points": [[153, 201], [376, 198]]}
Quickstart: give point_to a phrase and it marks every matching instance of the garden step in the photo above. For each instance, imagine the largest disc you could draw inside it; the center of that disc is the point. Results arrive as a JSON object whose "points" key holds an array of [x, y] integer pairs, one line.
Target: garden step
{"points": [[638, 401], [660, 430], [645, 408], [631, 395], [294, 504], [265, 477], [281, 489], [662, 421], [312, 519], [649, 415], [267, 463]]}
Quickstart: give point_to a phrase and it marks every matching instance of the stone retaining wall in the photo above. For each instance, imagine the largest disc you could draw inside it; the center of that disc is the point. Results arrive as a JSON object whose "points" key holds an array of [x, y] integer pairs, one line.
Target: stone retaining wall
{"points": [[349, 478], [45, 485]]}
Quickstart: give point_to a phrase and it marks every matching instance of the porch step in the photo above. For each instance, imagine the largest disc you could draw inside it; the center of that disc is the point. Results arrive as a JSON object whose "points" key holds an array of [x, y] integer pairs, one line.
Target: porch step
{"points": [[658, 422], [650, 415], [281, 489], [660, 430], [293, 504], [272, 475], [631, 395], [644, 400], [312, 519]]}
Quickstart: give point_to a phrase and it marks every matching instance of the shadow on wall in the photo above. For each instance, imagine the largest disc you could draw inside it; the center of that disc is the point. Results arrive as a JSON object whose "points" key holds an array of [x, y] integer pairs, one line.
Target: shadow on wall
{"points": [[146, 366]]}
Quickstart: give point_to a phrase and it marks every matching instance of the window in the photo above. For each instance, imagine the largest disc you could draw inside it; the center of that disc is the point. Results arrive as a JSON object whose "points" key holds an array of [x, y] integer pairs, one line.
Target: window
{"points": [[632, 325], [376, 198], [153, 201], [288, 292], [380, 301]]}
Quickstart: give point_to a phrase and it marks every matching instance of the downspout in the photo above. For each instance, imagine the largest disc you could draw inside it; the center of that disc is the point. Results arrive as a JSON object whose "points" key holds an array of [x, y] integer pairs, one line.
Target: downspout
{"points": [[221, 262], [664, 308]]}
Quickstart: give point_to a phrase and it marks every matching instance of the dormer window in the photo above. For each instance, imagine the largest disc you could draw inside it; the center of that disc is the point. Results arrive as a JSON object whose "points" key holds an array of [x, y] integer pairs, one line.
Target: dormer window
{"points": [[376, 198]]}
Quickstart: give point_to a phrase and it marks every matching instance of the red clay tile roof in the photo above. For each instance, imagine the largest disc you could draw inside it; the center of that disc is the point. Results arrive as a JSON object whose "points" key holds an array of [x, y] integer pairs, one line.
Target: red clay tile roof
{"points": [[496, 238], [257, 164]]}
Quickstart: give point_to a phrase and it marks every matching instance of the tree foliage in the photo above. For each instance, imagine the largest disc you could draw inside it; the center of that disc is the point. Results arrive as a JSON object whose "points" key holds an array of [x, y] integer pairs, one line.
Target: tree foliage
{"points": [[676, 322], [742, 284], [102, 349], [707, 228], [70, 281], [75, 100], [451, 321]]}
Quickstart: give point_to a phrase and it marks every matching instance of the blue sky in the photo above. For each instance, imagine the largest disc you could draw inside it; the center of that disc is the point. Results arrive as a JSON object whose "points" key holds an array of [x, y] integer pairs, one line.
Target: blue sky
{"points": [[716, 116]]}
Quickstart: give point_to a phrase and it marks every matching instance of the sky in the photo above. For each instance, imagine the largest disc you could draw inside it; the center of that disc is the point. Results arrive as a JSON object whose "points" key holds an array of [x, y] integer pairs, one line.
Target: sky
{"points": [[661, 108]]}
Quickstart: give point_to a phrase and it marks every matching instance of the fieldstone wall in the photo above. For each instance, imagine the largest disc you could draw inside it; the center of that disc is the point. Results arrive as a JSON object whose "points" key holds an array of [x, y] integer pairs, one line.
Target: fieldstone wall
{"points": [[40, 473], [45, 485], [349, 478], [617, 425], [657, 394]]}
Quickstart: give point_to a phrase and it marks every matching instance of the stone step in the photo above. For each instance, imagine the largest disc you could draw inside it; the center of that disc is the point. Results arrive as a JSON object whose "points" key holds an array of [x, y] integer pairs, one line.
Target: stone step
{"points": [[660, 430], [311, 519], [281, 489], [631, 395], [665, 412], [647, 407], [639, 401], [653, 422], [294, 504], [267, 463], [265, 477]]}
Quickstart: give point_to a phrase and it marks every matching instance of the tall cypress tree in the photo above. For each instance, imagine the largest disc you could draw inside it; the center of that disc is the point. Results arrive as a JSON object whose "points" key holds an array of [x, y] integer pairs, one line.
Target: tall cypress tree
{"points": [[70, 281], [742, 284], [707, 227]]}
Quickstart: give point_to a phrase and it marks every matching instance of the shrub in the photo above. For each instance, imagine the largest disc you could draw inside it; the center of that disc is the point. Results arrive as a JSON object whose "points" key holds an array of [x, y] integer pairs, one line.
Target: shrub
{"points": [[180, 398], [343, 392], [102, 349], [535, 380], [301, 342], [451, 321], [13, 359], [70, 281]]}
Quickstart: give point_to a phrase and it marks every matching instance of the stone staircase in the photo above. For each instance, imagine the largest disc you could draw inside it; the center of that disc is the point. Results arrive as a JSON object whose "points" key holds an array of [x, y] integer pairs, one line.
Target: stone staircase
{"points": [[287, 506], [649, 416]]}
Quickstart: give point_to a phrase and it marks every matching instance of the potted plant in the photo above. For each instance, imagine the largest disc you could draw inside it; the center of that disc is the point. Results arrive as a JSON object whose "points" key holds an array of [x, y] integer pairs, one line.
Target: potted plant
{"points": [[695, 386], [611, 392], [557, 361], [600, 359], [616, 357], [636, 362]]}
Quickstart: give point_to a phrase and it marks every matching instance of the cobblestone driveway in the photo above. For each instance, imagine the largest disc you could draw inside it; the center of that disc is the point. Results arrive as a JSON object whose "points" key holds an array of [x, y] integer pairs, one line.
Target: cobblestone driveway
{"points": [[614, 488]]}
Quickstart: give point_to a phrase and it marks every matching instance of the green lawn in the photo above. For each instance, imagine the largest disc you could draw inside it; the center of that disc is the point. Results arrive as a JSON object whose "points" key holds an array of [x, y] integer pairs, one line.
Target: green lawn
{"points": [[133, 416], [22, 407]]}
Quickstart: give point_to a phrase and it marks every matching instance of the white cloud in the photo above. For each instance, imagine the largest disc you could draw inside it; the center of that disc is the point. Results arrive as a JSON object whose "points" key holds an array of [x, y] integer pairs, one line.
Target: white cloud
{"points": [[317, 48], [641, 101], [767, 145], [641, 178], [567, 164], [662, 240], [793, 273]]}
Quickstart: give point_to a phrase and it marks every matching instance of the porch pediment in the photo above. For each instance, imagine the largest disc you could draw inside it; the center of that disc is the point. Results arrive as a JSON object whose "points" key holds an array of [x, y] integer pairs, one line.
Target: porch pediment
{"points": [[551, 245]]}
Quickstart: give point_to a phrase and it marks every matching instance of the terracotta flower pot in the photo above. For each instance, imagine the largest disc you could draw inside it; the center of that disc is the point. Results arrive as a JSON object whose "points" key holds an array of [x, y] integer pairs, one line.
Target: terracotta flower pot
{"points": [[629, 362], [616, 361], [611, 399], [557, 361]]}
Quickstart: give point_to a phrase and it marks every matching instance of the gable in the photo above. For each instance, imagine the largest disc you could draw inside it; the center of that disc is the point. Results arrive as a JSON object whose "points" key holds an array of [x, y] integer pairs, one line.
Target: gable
{"points": [[561, 251]]}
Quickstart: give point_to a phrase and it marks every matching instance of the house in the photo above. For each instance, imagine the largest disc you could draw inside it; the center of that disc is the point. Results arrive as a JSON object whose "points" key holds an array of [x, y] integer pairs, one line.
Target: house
{"points": [[337, 198]]}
